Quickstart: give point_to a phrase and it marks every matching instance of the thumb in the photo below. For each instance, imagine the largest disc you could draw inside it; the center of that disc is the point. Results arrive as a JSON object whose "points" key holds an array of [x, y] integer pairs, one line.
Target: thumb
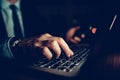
{"points": [[76, 28]]}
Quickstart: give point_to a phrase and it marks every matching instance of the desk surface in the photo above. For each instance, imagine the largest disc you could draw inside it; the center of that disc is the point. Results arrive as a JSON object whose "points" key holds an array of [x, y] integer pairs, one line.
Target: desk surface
{"points": [[103, 68], [9, 72]]}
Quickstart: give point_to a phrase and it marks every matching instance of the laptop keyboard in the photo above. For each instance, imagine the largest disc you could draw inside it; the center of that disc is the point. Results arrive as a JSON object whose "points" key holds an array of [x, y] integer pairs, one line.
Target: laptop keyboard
{"points": [[63, 63]]}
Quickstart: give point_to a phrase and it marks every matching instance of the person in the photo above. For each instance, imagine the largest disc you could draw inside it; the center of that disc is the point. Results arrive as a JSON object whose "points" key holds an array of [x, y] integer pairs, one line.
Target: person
{"points": [[33, 42]]}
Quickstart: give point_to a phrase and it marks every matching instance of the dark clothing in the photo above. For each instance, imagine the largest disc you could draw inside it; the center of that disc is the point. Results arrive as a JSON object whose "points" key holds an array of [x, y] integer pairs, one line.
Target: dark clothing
{"points": [[34, 24]]}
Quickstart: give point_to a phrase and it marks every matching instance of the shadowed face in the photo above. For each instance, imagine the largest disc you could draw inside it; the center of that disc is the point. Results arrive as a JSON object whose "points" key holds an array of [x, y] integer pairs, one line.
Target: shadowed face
{"points": [[12, 1]]}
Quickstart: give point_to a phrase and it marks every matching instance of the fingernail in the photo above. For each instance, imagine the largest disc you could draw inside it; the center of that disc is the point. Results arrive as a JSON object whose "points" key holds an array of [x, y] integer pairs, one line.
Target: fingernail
{"points": [[68, 55], [72, 53]]}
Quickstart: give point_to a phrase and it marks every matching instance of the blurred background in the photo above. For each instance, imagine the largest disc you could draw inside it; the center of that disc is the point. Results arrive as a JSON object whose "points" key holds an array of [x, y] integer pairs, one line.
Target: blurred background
{"points": [[77, 12]]}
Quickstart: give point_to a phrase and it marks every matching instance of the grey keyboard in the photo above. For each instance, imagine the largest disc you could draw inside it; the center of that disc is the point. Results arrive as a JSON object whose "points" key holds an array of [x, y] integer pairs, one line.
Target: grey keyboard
{"points": [[64, 65]]}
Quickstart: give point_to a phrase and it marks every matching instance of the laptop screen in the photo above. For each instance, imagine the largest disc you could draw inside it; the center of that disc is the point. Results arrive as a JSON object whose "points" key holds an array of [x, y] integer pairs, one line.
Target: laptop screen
{"points": [[112, 38], [107, 37]]}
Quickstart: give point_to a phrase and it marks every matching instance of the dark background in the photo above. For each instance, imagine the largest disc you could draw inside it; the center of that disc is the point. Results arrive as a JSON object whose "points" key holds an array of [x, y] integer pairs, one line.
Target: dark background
{"points": [[68, 13], [78, 12]]}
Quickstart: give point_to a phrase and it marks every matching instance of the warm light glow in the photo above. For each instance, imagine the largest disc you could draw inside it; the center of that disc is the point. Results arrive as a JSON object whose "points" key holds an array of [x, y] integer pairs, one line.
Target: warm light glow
{"points": [[113, 60], [94, 30]]}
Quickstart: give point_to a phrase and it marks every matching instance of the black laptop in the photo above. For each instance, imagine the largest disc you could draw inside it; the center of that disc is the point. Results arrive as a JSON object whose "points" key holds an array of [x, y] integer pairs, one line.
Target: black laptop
{"points": [[71, 67], [68, 67]]}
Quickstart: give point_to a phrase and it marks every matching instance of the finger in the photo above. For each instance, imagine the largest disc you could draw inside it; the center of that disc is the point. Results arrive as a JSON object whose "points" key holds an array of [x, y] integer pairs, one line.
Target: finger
{"points": [[71, 32], [77, 28], [82, 35], [44, 36], [55, 47], [47, 35], [65, 47], [47, 53], [74, 29], [73, 41], [77, 39], [37, 44]]}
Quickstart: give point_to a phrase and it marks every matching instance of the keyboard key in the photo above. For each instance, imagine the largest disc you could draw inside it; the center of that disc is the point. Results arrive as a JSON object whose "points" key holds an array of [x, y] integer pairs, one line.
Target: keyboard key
{"points": [[63, 63]]}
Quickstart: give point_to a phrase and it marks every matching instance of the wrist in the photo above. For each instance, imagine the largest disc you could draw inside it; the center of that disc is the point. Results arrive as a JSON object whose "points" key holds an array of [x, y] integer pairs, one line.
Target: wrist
{"points": [[12, 43]]}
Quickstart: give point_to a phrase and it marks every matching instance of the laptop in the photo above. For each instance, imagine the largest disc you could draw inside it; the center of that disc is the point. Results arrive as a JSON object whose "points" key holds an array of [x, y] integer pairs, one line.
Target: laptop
{"points": [[67, 67], [109, 37]]}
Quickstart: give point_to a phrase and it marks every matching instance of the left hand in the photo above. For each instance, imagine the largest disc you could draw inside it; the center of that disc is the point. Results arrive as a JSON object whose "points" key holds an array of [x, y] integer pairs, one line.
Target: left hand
{"points": [[71, 37], [76, 39]]}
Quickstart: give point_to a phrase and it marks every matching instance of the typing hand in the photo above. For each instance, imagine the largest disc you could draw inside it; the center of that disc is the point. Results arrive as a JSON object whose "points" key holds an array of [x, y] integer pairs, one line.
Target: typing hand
{"points": [[43, 45]]}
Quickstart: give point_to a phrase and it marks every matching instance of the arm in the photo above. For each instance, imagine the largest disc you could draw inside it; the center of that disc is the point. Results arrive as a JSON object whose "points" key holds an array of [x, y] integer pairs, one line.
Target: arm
{"points": [[35, 47], [5, 51]]}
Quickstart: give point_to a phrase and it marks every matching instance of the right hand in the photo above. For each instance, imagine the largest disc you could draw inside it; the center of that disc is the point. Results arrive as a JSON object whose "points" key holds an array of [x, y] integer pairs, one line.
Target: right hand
{"points": [[43, 45]]}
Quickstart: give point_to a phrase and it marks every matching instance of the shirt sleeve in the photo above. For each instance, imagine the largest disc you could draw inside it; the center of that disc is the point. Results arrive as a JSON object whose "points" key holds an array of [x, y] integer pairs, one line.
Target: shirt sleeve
{"points": [[5, 50]]}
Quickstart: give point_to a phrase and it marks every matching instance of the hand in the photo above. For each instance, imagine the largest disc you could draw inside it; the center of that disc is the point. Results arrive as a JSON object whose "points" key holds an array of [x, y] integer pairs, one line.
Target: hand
{"points": [[71, 37], [44, 44], [87, 35]]}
